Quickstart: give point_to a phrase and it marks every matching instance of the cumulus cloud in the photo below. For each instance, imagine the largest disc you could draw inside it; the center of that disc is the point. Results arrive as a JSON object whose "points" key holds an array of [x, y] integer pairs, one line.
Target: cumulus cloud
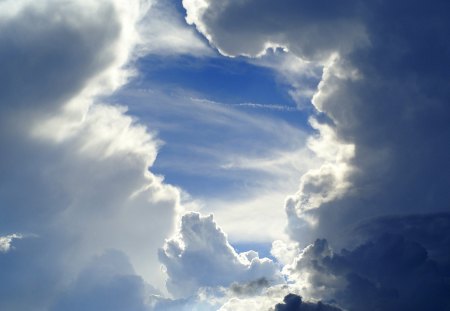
{"points": [[383, 104], [250, 27], [387, 272], [75, 169], [200, 256], [382, 91], [321, 185]]}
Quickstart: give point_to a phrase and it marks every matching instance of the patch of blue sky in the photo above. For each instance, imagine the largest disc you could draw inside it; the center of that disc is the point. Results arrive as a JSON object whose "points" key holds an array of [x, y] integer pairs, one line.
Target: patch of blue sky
{"points": [[206, 109], [228, 81], [263, 249]]}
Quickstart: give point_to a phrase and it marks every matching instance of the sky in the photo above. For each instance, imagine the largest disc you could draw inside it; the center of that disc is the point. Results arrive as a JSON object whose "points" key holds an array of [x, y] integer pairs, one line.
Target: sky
{"points": [[224, 155]]}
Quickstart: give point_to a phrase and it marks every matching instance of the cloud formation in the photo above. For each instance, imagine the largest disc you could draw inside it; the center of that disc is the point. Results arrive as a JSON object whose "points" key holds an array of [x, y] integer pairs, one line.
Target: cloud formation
{"points": [[200, 256], [108, 282], [387, 272], [383, 104], [75, 169], [250, 27], [382, 91], [294, 302], [6, 241], [78, 178]]}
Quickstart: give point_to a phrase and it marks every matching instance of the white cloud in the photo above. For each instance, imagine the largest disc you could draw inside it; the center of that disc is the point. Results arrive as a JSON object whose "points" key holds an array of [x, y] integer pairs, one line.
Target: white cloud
{"points": [[163, 31], [200, 256], [75, 171], [6, 242], [324, 184]]}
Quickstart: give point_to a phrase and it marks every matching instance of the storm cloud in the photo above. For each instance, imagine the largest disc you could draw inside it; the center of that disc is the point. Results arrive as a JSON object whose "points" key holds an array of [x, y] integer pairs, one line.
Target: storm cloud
{"points": [[382, 130]]}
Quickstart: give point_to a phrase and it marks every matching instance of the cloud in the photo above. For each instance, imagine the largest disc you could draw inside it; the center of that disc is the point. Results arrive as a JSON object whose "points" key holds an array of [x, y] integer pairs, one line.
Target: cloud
{"points": [[387, 272], [6, 242], [294, 302], [75, 169], [242, 176], [163, 31], [251, 27], [107, 283], [382, 131], [382, 91], [200, 256], [250, 288]]}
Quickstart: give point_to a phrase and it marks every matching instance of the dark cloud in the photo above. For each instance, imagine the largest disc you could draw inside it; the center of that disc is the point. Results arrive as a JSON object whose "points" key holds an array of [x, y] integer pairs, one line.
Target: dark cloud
{"points": [[389, 272], [251, 288], [396, 114], [312, 30], [294, 302], [430, 230], [385, 91]]}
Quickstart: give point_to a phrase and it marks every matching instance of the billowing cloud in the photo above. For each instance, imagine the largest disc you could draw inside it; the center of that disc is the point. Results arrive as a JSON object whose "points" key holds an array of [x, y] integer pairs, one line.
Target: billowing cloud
{"points": [[387, 272], [77, 173], [74, 169], [381, 90], [200, 256], [383, 104], [250, 27]]}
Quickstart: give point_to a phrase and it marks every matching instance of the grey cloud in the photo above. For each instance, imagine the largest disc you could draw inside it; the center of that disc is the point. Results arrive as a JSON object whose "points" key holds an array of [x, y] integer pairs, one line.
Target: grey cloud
{"points": [[44, 64], [384, 91], [251, 288], [389, 272], [430, 230], [248, 27], [107, 283], [397, 116], [294, 302]]}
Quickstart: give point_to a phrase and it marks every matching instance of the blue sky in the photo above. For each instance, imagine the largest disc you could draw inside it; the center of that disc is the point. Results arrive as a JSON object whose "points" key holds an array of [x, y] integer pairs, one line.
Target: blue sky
{"points": [[230, 84], [224, 155], [214, 116]]}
